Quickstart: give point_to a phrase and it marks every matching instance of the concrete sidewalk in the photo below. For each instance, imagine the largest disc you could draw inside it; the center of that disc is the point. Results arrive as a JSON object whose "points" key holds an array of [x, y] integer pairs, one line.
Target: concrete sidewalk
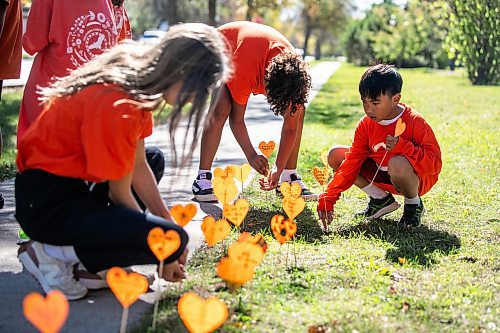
{"points": [[100, 311]]}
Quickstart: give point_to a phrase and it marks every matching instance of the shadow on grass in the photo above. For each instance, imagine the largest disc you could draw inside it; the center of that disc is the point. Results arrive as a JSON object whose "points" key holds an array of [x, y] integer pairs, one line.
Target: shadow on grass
{"points": [[308, 229], [419, 245]]}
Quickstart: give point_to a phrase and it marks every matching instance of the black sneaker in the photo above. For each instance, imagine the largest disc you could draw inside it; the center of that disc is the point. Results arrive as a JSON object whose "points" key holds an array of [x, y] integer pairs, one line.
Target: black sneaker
{"points": [[412, 215], [202, 188], [379, 207], [2, 202], [306, 194]]}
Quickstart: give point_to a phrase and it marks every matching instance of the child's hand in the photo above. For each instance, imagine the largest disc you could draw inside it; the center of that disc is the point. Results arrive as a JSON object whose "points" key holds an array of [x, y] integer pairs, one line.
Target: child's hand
{"points": [[260, 164], [390, 142], [268, 184], [174, 272], [325, 216]]}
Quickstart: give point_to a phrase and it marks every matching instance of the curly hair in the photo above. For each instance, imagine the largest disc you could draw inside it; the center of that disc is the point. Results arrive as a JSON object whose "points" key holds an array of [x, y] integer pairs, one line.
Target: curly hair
{"points": [[287, 82]]}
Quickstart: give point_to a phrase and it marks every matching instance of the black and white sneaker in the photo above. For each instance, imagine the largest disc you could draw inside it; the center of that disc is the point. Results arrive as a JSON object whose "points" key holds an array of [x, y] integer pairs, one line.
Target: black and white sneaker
{"points": [[306, 194], [379, 207], [202, 188], [412, 215]]}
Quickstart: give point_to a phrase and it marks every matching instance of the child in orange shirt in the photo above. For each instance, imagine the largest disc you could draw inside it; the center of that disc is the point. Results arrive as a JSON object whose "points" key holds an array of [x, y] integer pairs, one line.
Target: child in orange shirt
{"points": [[264, 63], [92, 130], [65, 35], [11, 30], [409, 163]]}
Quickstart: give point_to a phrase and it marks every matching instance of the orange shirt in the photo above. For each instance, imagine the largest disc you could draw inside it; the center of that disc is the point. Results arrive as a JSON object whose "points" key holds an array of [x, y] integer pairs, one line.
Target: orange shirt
{"points": [[252, 45], [86, 135], [10, 41], [65, 35], [417, 143]]}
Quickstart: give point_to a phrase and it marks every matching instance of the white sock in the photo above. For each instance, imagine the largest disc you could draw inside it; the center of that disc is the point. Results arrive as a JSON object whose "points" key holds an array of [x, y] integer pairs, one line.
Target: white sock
{"points": [[285, 175], [374, 191], [63, 253], [200, 171], [412, 201]]}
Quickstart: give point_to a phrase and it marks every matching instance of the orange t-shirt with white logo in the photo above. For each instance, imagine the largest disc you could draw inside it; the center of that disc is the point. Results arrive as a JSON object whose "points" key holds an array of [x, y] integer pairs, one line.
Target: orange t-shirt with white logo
{"points": [[10, 41], [91, 135], [252, 46], [65, 35], [417, 144]]}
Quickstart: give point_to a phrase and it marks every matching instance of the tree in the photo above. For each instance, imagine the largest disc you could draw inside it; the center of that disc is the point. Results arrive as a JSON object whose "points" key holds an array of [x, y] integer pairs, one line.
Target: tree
{"points": [[212, 7], [474, 34]]}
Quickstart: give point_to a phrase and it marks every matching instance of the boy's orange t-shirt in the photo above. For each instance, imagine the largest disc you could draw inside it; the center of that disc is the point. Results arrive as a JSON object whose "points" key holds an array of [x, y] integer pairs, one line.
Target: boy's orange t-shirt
{"points": [[65, 35], [10, 41], [417, 144], [252, 46], [87, 135]]}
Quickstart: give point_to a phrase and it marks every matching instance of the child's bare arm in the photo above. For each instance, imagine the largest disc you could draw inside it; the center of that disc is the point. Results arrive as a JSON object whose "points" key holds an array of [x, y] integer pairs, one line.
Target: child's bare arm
{"points": [[121, 194], [145, 186], [240, 132]]}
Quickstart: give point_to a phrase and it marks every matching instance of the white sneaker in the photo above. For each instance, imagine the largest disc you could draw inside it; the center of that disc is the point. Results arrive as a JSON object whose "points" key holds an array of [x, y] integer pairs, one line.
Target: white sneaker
{"points": [[202, 188], [50, 273]]}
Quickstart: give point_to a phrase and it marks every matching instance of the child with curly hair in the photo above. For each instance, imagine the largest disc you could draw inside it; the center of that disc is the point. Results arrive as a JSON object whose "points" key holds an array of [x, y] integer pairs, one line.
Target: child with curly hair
{"points": [[92, 130], [408, 155], [264, 62]]}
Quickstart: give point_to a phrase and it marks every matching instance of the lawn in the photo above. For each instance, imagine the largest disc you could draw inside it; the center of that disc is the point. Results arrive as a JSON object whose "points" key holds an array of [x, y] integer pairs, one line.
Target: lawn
{"points": [[370, 276], [9, 111]]}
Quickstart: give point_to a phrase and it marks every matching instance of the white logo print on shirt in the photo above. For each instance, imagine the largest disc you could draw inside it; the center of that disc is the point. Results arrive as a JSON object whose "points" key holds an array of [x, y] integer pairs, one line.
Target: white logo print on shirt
{"points": [[89, 36]]}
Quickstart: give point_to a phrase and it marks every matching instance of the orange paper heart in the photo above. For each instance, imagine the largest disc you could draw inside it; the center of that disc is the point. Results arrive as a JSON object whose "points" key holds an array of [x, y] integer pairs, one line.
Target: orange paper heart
{"points": [[183, 214], [247, 253], [293, 206], [400, 127], [241, 172], [267, 148], [162, 243], [201, 315], [225, 190], [234, 272], [215, 231], [283, 230], [236, 213], [126, 287], [324, 158], [321, 174], [257, 239], [48, 314], [288, 190], [227, 173]]}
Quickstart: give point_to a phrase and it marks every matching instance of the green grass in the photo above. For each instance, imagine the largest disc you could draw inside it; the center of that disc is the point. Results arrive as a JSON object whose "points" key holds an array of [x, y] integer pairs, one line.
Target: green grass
{"points": [[447, 279], [9, 111]]}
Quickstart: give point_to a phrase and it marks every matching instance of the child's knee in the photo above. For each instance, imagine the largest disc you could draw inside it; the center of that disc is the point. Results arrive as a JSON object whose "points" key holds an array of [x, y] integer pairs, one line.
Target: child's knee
{"points": [[335, 156], [399, 166]]}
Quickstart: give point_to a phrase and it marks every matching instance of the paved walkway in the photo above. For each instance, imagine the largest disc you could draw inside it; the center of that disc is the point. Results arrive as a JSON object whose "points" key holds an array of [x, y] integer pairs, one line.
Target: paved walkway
{"points": [[100, 311]]}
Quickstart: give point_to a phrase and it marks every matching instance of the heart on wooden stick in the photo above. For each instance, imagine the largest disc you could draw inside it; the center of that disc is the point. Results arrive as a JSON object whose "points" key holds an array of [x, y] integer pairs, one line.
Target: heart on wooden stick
{"points": [[321, 174], [162, 243], [201, 315], [257, 239], [287, 190], [226, 173], [127, 287], [183, 214], [238, 267], [47, 314], [236, 213], [225, 190], [293, 206], [241, 172], [215, 231], [283, 229], [267, 148], [324, 158]]}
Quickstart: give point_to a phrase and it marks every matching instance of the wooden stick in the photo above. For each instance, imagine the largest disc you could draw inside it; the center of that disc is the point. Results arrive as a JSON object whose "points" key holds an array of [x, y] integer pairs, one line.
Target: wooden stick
{"points": [[157, 302], [379, 167], [123, 326]]}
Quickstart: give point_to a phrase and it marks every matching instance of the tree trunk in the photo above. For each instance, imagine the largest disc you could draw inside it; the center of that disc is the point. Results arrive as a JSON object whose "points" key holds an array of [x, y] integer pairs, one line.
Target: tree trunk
{"points": [[212, 7], [172, 12], [319, 41], [250, 10], [307, 34]]}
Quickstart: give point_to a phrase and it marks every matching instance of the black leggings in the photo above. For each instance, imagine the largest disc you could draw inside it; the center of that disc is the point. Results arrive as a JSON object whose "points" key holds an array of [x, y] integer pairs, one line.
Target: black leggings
{"points": [[62, 211]]}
